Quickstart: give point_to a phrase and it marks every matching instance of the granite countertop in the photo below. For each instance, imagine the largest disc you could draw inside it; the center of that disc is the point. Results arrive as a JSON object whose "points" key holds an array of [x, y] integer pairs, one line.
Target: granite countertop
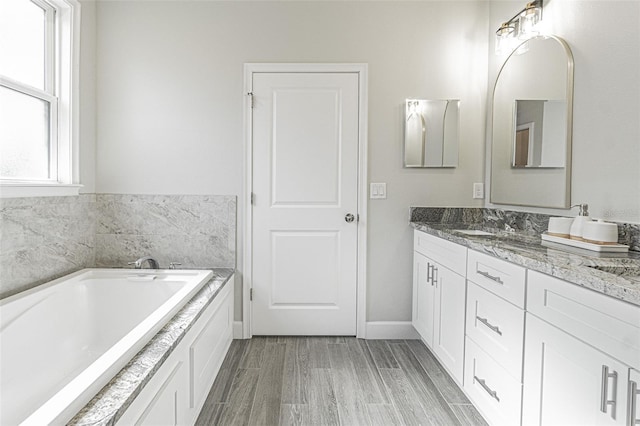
{"points": [[614, 274], [113, 400]]}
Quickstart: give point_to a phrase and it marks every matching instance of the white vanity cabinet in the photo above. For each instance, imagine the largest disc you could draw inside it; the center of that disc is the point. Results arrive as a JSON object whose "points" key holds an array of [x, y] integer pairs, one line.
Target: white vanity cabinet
{"points": [[581, 352], [177, 391], [527, 348], [439, 298]]}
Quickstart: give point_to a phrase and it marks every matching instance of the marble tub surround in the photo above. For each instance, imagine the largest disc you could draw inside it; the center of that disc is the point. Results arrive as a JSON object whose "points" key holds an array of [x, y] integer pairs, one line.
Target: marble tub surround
{"points": [[114, 399], [616, 275], [195, 230], [44, 238], [497, 219]]}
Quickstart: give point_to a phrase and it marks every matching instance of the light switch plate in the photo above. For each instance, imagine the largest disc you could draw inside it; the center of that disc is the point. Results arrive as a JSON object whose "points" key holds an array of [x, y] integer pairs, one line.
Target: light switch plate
{"points": [[478, 190], [378, 191]]}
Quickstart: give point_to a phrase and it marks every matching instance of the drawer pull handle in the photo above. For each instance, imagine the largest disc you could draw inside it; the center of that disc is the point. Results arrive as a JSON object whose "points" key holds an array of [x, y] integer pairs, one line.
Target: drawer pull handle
{"points": [[491, 392], [605, 401], [631, 406], [486, 322], [491, 277], [434, 277]]}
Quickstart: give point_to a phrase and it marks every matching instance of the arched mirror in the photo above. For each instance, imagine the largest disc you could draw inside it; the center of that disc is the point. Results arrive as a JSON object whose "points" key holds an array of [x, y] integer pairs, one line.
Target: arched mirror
{"points": [[532, 126]]}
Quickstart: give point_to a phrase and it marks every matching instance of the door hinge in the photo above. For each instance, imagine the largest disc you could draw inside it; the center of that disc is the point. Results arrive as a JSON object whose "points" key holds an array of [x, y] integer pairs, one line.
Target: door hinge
{"points": [[251, 294], [253, 198], [250, 94]]}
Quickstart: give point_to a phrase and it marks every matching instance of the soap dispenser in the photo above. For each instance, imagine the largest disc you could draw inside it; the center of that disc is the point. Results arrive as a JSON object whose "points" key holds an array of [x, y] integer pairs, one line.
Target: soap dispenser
{"points": [[576, 226]]}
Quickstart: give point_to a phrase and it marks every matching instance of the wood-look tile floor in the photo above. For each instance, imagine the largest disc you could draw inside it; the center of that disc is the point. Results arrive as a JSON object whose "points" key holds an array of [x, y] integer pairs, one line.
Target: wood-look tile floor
{"points": [[334, 381]]}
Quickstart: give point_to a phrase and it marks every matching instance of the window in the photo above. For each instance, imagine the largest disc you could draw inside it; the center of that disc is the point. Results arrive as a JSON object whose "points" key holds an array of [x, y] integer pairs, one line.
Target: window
{"points": [[38, 63]]}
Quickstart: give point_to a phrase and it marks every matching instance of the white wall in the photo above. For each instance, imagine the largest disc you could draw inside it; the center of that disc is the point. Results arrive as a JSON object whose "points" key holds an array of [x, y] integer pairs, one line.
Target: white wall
{"points": [[169, 102], [605, 39], [87, 142]]}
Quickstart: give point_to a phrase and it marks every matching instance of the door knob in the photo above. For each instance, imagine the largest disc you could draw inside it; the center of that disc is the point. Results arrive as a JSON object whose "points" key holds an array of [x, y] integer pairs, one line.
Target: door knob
{"points": [[349, 218]]}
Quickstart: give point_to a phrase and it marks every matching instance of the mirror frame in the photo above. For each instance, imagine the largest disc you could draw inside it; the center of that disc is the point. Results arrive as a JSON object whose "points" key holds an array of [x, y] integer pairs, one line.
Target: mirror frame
{"points": [[569, 130]]}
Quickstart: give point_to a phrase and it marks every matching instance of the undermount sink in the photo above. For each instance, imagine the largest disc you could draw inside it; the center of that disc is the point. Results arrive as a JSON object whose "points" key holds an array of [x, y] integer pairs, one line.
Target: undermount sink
{"points": [[473, 232]]}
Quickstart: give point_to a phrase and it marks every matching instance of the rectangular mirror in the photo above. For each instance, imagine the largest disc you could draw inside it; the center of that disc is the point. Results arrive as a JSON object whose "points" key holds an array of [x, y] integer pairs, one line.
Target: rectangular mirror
{"points": [[431, 133]]}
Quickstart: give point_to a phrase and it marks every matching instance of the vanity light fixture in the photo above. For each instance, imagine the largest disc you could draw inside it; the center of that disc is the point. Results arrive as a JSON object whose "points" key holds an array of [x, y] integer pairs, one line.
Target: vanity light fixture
{"points": [[528, 20], [504, 38], [521, 27]]}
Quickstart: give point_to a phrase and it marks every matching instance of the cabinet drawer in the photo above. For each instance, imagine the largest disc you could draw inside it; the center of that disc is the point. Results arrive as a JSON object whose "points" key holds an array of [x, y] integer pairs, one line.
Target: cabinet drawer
{"points": [[498, 276], [446, 253], [497, 327], [611, 325], [495, 393]]}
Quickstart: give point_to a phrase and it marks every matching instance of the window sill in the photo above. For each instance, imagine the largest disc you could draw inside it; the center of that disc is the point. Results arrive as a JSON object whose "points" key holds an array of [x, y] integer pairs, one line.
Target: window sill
{"points": [[17, 190]]}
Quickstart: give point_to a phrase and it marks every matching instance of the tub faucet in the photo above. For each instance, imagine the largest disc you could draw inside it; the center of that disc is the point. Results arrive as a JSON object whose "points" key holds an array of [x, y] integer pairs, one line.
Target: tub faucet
{"points": [[153, 264]]}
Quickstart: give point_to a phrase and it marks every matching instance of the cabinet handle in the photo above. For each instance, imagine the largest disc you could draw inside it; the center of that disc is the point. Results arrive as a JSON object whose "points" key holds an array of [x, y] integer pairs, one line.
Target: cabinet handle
{"points": [[429, 275], [605, 391], [487, 389], [434, 277], [486, 322], [491, 277], [631, 406]]}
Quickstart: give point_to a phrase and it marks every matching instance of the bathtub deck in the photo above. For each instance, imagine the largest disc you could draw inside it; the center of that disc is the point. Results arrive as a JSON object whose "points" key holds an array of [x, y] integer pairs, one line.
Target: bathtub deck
{"points": [[334, 381]]}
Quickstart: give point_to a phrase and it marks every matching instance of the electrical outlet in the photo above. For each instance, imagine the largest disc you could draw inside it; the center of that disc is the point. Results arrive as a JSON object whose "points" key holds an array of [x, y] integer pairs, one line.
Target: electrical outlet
{"points": [[378, 191], [478, 190]]}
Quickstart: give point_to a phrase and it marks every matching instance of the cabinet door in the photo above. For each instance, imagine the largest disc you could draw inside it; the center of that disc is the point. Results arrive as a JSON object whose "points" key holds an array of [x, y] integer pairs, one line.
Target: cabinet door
{"points": [[567, 382], [423, 296], [449, 314]]}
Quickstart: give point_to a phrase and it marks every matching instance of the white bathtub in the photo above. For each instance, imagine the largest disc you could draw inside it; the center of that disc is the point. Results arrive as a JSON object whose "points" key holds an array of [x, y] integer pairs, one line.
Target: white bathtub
{"points": [[61, 342]]}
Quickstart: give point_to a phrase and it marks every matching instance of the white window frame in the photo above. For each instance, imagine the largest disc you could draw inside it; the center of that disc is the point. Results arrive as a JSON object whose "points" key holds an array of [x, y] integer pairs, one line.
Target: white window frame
{"points": [[61, 93]]}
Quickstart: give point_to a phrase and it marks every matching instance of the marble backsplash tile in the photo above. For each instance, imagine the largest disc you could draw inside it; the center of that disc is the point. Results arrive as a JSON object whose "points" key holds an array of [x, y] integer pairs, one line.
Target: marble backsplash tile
{"points": [[199, 231], [43, 238], [529, 223]]}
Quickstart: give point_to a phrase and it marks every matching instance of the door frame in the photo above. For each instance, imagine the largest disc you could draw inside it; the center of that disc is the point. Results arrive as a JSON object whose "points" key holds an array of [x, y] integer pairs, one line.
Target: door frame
{"points": [[247, 269]]}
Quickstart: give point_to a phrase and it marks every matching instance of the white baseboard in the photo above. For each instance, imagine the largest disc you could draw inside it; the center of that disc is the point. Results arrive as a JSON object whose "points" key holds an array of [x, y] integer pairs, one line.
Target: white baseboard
{"points": [[391, 330], [237, 330]]}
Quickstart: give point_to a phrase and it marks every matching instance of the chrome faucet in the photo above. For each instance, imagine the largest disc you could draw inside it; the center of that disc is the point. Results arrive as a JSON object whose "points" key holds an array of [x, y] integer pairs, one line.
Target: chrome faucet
{"points": [[153, 264]]}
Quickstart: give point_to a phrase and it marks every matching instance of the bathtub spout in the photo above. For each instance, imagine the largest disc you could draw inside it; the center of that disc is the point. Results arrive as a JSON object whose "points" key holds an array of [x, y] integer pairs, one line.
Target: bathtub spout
{"points": [[153, 264]]}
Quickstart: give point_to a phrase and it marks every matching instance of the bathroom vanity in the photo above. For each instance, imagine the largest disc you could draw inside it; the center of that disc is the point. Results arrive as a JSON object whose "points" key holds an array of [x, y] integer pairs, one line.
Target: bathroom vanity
{"points": [[533, 334]]}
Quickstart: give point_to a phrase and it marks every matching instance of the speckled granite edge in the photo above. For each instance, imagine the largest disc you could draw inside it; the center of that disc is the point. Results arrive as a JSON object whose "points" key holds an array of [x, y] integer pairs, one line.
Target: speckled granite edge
{"points": [[529, 253], [114, 399], [528, 223]]}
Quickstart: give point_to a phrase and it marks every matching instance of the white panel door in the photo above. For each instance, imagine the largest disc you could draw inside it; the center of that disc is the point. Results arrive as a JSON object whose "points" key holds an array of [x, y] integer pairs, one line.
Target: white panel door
{"points": [[305, 168]]}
